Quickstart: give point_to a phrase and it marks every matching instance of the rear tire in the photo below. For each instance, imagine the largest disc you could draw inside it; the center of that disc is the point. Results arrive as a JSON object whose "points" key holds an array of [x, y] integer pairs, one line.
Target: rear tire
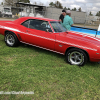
{"points": [[76, 57], [11, 39]]}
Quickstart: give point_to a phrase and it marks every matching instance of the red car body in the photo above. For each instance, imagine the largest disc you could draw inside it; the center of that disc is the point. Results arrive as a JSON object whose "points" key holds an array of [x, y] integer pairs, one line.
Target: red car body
{"points": [[59, 42]]}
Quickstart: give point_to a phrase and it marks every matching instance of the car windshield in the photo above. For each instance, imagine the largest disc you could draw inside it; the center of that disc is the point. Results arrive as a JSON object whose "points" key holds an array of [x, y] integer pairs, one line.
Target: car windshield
{"points": [[57, 26]]}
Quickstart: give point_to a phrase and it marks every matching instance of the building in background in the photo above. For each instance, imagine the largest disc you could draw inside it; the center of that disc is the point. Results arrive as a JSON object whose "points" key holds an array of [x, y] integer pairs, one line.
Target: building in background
{"points": [[92, 20], [26, 9], [54, 13]]}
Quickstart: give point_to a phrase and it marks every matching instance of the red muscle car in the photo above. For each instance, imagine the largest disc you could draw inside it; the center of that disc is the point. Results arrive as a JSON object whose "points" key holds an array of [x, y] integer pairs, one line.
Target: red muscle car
{"points": [[50, 35]]}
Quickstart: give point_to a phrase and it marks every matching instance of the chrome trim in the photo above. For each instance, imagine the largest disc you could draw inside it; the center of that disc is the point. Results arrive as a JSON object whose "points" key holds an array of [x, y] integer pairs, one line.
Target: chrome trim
{"points": [[41, 47]]}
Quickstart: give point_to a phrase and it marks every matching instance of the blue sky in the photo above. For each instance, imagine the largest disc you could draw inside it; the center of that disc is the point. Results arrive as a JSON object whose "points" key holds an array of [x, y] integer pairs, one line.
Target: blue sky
{"points": [[86, 5]]}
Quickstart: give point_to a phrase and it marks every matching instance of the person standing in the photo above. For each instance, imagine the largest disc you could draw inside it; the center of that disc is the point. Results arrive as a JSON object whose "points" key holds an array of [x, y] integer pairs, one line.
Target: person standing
{"points": [[62, 16], [67, 22]]}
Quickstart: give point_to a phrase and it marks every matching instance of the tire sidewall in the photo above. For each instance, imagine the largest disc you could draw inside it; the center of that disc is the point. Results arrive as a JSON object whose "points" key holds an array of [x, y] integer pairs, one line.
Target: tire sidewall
{"points": [[82, 54], [15, 39]]}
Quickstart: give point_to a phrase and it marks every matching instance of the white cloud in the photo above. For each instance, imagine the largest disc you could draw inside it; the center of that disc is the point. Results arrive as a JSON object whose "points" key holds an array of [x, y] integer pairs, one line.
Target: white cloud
{"points": [[95, 8], [80, 1], [97, 4], [76, 6]]}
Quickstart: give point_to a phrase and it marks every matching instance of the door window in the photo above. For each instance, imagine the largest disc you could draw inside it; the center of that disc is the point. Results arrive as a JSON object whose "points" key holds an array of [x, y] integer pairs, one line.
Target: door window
{"points": [[40, 25], [26, 24]]}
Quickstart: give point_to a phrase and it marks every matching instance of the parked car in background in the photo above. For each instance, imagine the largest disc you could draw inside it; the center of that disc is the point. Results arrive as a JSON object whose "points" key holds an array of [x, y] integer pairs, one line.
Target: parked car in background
{"points": [[5, 11], [48, 34]]}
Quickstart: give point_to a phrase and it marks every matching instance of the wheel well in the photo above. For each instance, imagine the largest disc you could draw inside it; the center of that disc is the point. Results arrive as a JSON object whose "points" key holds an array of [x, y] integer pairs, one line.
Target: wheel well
{"points": [[8, 31], [77, 48], [15, 39]]}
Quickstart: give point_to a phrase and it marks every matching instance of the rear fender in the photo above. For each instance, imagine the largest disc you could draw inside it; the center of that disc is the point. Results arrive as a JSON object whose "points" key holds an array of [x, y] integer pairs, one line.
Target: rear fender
{"points": [[17, 34]]}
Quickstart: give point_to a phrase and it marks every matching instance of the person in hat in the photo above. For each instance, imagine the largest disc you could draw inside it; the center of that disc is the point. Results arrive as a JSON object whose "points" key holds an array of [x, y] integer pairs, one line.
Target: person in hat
{"points": [[67, 22], [62, 16]]}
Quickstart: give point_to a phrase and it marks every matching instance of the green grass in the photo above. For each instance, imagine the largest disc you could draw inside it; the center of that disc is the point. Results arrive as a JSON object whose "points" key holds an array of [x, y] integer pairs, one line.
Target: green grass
{"points": [[27, 68]]}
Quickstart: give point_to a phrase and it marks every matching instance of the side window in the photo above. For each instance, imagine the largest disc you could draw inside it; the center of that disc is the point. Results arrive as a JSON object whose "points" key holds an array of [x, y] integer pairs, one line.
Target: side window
{"points": [[40, 25], [26, 23], [46, 26]]}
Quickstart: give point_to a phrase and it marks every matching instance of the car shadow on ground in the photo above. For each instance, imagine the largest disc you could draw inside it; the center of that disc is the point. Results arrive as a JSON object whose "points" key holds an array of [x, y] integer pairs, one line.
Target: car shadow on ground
{"points": [[40, 50]]}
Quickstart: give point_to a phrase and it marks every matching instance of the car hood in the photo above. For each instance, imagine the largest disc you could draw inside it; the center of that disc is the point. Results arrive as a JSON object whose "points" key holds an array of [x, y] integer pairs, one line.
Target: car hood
{"points": [[77, 37]]}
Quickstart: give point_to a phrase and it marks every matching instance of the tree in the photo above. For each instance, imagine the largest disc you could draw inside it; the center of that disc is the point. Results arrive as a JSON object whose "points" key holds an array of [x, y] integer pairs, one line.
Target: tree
{"points": [[51, 4], [68, 9], [65, 8], [79, 9], [9, 2], [98, 13], [35, 3], [25, 1], [12, 2], [1, 3], [58, 4], [74, 9], [90, 14]]}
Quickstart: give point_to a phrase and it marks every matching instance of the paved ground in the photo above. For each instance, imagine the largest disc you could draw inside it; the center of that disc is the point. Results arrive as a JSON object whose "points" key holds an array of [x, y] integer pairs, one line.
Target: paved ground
{"points": [[7, 19], [87, 26], [80, 25]]}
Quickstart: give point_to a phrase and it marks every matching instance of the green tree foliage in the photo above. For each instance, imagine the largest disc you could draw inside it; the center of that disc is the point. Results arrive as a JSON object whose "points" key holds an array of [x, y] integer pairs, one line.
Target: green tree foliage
{"points": [[12, 2], [51, 4], [90, 13], [57, 4], [80, 9], [1, 3], [68, 9], [98, 13], [65, 8], [74, 9], [25, 1]]}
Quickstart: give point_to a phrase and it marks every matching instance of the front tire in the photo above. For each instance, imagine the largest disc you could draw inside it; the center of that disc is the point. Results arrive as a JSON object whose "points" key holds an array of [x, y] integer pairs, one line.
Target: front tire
{"points": [[76, 57], [11, 39]]}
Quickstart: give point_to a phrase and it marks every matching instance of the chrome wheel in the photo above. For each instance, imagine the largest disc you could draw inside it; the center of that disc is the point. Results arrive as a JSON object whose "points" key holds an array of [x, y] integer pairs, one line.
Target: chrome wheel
{"points": [[76, 58], [10, 39]]}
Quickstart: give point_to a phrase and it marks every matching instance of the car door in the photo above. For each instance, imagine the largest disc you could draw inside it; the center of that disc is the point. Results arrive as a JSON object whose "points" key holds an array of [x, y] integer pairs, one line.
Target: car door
{"points": [[39, 34], [23, 33]]}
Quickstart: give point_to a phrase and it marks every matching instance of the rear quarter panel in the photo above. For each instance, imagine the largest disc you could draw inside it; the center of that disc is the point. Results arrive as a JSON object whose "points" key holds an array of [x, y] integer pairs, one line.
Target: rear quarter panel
{"points": [[8, 26]]}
